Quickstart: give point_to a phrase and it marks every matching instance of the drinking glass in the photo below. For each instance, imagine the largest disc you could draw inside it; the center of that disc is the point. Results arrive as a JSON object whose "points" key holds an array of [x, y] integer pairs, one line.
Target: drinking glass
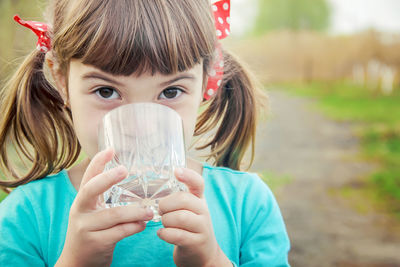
{"points": [[148, 140]]}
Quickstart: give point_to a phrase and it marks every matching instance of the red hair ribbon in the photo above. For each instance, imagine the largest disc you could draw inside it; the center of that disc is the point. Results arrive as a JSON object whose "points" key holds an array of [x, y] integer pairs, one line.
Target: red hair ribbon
{"points": [[221, 10], [40, 29]]}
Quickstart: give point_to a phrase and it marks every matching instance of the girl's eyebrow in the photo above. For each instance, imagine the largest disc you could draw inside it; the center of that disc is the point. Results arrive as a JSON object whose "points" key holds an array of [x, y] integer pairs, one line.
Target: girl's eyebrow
{"points": [[96, 75], [178, 78]]}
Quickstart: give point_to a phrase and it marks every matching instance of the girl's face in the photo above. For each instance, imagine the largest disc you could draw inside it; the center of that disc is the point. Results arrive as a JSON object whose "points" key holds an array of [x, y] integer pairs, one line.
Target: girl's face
{"points": [[93, 93]]}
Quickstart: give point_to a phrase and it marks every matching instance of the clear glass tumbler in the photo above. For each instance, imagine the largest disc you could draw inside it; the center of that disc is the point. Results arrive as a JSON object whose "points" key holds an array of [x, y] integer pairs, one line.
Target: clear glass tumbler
{"points": [[148, 140]]}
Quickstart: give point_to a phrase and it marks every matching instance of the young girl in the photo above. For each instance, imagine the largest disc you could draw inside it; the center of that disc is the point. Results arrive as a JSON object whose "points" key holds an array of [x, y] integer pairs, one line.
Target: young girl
{"points": [[104, 54]]}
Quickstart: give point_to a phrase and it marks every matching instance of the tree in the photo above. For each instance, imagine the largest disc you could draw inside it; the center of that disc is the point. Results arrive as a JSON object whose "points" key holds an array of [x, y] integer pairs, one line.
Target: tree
{"points": [[292, 14]]}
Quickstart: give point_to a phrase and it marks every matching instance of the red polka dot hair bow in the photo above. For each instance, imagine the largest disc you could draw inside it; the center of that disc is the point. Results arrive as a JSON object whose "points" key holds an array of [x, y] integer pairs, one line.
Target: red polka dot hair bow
{"points": [[40, 29], [221, 10]]}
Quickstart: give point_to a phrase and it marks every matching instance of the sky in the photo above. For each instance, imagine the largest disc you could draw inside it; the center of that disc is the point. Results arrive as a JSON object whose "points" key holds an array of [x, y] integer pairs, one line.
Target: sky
{"points": [[348, 16]]}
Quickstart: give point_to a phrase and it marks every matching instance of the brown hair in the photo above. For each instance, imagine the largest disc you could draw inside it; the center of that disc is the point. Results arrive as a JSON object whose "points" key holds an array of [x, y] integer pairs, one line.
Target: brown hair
{"points": [[121, 37]]}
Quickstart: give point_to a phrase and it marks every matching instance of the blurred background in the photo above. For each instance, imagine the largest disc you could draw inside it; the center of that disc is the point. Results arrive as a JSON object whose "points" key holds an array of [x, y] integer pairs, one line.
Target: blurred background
{"points": [[330, 145]]}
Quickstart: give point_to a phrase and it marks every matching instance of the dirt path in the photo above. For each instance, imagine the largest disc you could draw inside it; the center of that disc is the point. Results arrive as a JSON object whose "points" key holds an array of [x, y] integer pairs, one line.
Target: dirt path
{"points": [[320, 157]]}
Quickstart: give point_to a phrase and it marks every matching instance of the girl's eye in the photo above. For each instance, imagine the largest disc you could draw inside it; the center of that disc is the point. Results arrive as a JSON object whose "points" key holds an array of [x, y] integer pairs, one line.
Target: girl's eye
{"points": [[170, 93], [107, 93]]}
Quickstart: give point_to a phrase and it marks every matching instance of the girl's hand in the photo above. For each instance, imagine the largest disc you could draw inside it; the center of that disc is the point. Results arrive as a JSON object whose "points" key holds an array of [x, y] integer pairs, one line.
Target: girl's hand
{"points": [[188, 224], [92, 231]]}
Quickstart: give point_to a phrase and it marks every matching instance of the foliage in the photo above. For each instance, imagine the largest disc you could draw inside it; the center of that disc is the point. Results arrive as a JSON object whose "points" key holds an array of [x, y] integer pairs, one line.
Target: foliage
{"points": [[292, 14], [378, 123]]}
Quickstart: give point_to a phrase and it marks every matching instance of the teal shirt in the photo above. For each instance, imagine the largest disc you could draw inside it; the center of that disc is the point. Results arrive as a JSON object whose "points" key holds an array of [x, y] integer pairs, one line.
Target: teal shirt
{"points": [[246, 218]]}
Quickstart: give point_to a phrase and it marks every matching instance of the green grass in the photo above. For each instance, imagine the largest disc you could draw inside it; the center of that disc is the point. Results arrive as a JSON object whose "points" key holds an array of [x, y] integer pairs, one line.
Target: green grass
{"points": [[348, 102], [275, 181], [2, 195], [376, 119]]}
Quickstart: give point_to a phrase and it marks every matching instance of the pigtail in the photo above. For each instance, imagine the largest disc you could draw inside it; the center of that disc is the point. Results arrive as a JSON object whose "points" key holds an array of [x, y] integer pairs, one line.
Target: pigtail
{"points": [[34, 126], [233, 110]]}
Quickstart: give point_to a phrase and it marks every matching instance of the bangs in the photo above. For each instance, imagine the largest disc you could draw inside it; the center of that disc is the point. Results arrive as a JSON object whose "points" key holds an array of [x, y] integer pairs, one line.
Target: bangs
{"points": [[131, 36]]}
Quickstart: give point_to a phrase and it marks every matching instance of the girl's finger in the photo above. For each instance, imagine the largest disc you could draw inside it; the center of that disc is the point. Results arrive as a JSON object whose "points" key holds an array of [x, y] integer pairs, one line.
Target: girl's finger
{"points": [[89, 192], [182, 201], [97, 164], [178, 237], [184, 220], [108, 218], [192, 180], [120, 231]]}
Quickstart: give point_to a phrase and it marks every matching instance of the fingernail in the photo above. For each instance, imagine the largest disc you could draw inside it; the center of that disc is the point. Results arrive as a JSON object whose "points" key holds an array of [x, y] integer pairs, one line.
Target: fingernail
{"points": [[107, 150], [120, 170], [149, 212], [179, 173]]}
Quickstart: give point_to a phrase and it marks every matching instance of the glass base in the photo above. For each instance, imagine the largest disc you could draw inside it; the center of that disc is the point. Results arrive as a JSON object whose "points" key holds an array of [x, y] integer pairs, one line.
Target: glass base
{"points": [[145, 203], [145, 195]]}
